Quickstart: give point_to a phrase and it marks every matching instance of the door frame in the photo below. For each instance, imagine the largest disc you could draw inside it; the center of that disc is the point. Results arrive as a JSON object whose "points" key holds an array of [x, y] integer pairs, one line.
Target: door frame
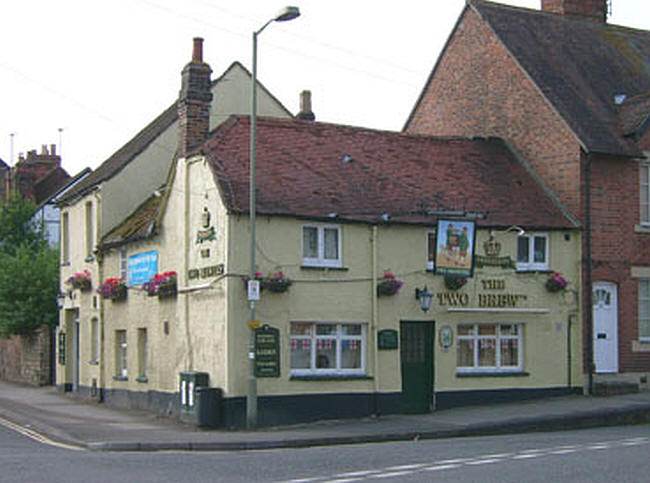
{"points": [[429, 363], [611, 368]]}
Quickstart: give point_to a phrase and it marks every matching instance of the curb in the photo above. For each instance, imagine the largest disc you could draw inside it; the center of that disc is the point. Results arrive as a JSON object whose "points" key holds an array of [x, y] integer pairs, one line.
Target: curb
{"points": [[579, 420]]}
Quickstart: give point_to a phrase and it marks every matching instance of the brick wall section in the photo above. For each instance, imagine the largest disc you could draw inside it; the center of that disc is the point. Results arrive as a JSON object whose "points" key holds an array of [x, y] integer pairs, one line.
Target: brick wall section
{"points": [[477, 89], [616, 247], [27, 360]]}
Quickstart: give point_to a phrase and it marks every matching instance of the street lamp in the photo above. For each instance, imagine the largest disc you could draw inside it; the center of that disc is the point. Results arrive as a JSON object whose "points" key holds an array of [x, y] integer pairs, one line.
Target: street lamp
{"points": [[287, 13]]}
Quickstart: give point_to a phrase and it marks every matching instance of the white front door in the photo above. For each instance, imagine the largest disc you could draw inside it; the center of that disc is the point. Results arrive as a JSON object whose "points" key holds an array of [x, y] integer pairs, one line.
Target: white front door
{"points": [[605, 317]]}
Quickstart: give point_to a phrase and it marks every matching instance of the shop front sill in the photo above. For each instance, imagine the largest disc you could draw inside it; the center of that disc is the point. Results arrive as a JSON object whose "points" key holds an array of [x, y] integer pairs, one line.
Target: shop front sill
{"points": [[120, 378], [492, 374], [142, 379], [324, 268]]}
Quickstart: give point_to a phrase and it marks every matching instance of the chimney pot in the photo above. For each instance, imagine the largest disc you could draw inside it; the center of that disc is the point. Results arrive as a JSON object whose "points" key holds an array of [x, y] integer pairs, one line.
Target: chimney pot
{"points": [[197, 51], [595, 10], [306, 114], [53, 149]]}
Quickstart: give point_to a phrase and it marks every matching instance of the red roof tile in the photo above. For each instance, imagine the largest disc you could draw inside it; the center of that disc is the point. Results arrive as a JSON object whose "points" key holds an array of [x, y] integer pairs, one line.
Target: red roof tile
{"points": [[311, 169]]}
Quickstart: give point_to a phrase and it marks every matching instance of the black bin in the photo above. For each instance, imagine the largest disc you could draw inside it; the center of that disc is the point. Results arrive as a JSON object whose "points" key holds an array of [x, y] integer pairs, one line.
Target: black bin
{"points": [[208, 407]]}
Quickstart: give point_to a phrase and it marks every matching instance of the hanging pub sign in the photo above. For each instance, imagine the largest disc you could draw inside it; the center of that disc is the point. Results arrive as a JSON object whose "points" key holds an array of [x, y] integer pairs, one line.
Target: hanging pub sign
{"points": [[455, 242], [267, 352]]}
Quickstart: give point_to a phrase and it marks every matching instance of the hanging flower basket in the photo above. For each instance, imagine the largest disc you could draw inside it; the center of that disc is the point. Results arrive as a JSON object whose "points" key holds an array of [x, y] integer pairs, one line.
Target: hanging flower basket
{"points": [[80, 280], [114, 289], [555, 282], [276, 282], [162, 285], [388, 285], [454, 282]]}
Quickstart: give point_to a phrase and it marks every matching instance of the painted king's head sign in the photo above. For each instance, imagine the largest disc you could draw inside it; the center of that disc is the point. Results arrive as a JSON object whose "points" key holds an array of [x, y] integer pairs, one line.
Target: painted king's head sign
{"points": [[455, 248]]}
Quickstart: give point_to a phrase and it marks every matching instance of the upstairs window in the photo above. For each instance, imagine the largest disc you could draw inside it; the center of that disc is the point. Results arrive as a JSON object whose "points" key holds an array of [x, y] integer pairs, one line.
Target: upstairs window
{"points": [[532, 252], [65, 238], [431, 249], [644, 193], [90, 230], [321, 245]]}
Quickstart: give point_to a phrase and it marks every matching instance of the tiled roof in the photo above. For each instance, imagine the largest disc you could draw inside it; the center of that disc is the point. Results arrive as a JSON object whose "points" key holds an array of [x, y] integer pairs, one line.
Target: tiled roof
{"points": [[138, 226], [50, 184], [634, 113], [308, 169], [579, 65]]}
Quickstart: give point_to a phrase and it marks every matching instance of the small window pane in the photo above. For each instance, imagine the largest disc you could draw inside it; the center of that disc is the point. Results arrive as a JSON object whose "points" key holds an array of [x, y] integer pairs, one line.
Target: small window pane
{"points": [[540, 249], [465, 329], [300, 354], [431, 246], [487, 329], [509, 329], [644, 174], [523, 250], [351, 329], [465, 353], [325, 329], [326, 354], [300, 329], [509, 352], [331, 243], [351, 354], [310, 242], [487, 353]]}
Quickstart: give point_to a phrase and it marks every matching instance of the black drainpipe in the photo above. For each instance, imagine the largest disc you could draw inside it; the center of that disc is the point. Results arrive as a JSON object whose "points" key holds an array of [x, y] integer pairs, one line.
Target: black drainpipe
{"points": [[588, 278]]}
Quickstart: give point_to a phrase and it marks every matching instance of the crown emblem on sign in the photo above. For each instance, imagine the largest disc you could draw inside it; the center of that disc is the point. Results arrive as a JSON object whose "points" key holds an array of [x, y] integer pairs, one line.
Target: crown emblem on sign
{"points": [[492, 247]]}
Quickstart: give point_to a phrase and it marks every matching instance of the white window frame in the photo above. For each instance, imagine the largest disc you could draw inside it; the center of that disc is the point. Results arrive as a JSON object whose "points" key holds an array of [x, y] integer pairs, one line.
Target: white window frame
{"points": [[498, 337], [431, 238], [121, 360], [94, 340], [90, 228], [531, 264], [644, 167], [644, 319], [340, 337], [65, 238], [123, 264], [320, 260], [142, 352]]}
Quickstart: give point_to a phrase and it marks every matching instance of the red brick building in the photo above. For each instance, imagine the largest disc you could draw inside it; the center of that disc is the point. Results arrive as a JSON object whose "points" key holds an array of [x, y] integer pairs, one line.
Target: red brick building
{"points": [[572, 94]]}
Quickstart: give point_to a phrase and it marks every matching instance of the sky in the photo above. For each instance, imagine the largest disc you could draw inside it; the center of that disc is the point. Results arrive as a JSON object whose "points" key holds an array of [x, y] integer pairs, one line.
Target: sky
{"points": [[87, 75]]}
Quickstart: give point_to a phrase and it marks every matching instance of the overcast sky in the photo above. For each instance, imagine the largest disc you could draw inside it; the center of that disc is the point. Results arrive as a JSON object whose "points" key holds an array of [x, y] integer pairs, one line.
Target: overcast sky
{"points": [[92, 73]]}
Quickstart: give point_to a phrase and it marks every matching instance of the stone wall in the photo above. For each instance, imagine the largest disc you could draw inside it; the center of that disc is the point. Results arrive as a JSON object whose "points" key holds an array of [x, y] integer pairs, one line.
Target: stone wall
{"points": [[27, 360]]}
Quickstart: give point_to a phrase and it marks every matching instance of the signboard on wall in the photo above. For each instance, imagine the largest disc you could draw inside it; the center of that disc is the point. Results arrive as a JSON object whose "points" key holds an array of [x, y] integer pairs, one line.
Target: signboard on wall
{"points": [[142, 267], [455, 248], [267, 352]]}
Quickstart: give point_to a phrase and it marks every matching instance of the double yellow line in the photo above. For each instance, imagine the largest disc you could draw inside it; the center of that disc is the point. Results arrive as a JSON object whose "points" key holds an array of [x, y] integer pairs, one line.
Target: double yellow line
{"points": [[37, 436]]}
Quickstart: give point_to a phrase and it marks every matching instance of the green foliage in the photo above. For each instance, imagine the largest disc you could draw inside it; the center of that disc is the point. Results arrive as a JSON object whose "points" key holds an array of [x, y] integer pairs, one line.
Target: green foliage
{"points": [[29, 272]]}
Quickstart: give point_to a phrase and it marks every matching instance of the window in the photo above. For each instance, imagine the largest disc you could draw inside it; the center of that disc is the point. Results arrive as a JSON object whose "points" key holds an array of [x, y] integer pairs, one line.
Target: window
{"points": [[327, 348], [431, 249], [321, 245], [120, 354], [94, 341], [90, 230], [644, 193], [142, 354], [644, 310], [123, 263], [532, 252], [65, 238], [489, 348]]}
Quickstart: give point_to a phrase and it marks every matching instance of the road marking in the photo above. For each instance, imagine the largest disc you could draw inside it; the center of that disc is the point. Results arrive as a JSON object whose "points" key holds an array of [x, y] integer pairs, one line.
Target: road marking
{"points": [[483, 461], [391, 474], [356, 473], [440, 467], [37, 436], [405, 467], [525, 456], [563, 451]]}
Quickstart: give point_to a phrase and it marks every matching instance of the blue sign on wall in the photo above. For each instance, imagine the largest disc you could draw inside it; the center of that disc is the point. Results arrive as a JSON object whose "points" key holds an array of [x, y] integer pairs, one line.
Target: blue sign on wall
{"points": [[142, 267]]}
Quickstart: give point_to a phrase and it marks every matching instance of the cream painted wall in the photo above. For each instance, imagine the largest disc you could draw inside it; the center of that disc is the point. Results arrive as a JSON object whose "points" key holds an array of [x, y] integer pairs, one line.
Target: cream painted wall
{"points": [[134, 184]]}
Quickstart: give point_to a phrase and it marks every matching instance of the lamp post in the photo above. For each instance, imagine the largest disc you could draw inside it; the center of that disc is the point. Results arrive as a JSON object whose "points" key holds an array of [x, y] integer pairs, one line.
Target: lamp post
{"points": [[287, 13]]}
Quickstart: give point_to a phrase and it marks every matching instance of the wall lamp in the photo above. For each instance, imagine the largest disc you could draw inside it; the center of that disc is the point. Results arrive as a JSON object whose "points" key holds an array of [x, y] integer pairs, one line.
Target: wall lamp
{"points": [[424, 296]]}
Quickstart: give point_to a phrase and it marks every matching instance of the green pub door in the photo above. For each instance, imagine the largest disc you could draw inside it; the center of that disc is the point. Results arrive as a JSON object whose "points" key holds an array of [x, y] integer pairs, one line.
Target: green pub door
{"points": [[416, 354]]}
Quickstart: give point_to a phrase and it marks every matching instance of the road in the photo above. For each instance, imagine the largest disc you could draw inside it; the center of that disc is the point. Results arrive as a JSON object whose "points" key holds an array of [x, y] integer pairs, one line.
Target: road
{"points": [[616, 454]]}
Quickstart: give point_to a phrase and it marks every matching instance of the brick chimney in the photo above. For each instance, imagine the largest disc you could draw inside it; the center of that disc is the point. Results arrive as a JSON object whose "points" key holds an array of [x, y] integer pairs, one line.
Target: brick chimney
{"points": [[305, 114], [595, 10], [194, 102]]}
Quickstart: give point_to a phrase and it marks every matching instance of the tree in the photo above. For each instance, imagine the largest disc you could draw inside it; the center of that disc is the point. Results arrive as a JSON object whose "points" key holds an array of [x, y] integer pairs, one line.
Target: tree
{"points": [[29, 272]]}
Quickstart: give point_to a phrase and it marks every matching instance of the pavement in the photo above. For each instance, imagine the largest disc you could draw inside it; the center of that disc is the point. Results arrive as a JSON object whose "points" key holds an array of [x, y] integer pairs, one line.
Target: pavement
{"points": [[52, 416]]}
